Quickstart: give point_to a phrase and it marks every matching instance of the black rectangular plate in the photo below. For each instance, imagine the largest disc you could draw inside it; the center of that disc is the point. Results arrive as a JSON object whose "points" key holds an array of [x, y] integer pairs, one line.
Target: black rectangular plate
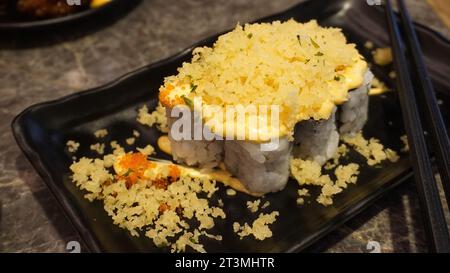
{"points": [[42, 131]]}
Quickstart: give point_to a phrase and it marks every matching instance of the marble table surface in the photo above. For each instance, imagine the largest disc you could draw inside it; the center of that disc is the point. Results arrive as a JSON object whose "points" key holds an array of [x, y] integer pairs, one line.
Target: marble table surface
{"points": [[30, 218]]}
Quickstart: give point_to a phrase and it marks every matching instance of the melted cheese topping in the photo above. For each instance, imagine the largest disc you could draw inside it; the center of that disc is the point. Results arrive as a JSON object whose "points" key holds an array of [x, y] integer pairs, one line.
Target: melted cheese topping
{"points": [[257, 126]]}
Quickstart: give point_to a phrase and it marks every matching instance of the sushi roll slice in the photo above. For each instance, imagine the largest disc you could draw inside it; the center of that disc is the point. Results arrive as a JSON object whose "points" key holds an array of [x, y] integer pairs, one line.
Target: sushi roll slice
{"points": [[198, 153], [354, 112], [259, 171], [316, 140]]}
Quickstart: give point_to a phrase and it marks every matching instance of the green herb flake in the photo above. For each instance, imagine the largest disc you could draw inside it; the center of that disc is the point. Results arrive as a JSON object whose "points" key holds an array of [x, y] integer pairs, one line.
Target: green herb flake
{"points": [[188, 101], [307, 61], [250, 35], [128, 172], [319, 54], [193, 88], [314, 43], [339, 77], [299, 40]]}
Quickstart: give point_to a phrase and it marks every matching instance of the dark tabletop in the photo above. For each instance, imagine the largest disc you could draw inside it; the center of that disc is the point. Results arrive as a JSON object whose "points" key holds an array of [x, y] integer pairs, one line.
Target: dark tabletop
{"points": [[30, 219]]}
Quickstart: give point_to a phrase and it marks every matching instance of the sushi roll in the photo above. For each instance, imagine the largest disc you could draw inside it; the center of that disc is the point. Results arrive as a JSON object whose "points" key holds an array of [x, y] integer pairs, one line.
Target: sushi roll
{"points": [[316, 80], [201, 153], [316, 140], [198, 153], [260, 171], [354, 112]]}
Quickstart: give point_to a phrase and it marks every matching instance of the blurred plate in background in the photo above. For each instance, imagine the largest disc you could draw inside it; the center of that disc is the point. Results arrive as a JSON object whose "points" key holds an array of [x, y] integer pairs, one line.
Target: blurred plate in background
{"points": [[13, 21]]}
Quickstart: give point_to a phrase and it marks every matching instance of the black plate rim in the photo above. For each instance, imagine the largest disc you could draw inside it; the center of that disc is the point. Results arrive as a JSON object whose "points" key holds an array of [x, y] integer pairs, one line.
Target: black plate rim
{"points": [[35, 24], [90, 242]]}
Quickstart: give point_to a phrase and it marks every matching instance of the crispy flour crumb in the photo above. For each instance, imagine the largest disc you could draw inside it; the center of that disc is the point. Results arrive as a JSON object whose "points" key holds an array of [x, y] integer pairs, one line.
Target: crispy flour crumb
{"points": [[117, 149], [328, 191], [136, 134], [382, 56], [371, 149], [368, 45], [231, 192], [302, 193], [259, 228], [405, 147], [392, 75], [341, 151], [346, 174], [157, 117], [253, 206], [147, 150], [158, 205], [265, 205], [101, 133], [72, 146], [308, 172], [378, 87], [130, 141], [108, 160], [391, 155], [98, 147], [90, 175]]}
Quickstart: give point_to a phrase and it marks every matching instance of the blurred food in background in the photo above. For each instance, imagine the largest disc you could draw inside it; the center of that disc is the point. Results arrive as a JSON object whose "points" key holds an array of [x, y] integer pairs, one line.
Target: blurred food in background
{"points": [[43, 9]]}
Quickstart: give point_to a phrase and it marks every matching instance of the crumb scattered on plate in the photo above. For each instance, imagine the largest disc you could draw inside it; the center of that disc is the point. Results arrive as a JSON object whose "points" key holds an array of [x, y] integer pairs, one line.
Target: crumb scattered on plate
{"points": [[130, 141], [259, 228], [157, 117], [72, 146], [308, 172], [368, 45], [175, 198], [147, 150], [101, 133], [231, 192], [378, 87], [253, 206], [392, 75], [302, 193], [371, 149], [265, 205], [404, 140], [382, 56], [98, 147]]}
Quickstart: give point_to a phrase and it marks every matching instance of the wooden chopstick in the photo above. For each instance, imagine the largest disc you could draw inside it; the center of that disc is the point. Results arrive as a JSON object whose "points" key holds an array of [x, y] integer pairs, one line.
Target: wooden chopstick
{"points": [[431, 207], [435, 122]]}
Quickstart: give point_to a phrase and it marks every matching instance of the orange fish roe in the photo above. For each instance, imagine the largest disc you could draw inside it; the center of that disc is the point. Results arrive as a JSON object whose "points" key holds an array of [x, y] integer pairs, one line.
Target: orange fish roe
{"points": [[165, 99], [174, 172], [135, 164], [163, 207], [163, 183], [164, 95]]}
